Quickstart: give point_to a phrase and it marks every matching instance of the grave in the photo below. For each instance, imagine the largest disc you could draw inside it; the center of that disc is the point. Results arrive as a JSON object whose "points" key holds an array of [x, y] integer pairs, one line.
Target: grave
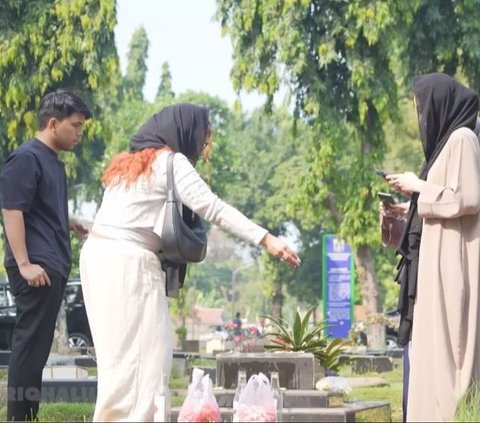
{"points": [[302, 403]]}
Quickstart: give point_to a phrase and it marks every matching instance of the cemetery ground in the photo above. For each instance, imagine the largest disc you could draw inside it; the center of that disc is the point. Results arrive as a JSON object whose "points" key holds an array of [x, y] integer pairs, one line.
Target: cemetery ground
{"points": [[81, 412]]}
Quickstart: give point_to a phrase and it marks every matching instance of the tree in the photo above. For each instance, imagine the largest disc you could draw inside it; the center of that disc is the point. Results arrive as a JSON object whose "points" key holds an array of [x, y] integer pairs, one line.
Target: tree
{"points": [[443, 37], [336, 57], [264, 156], [165, 88], [50, 44], [134, 79]]}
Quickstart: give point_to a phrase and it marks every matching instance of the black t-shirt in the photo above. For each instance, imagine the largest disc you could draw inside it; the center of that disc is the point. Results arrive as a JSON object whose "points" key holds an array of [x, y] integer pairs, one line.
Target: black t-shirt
{"points": [[34, 181]]}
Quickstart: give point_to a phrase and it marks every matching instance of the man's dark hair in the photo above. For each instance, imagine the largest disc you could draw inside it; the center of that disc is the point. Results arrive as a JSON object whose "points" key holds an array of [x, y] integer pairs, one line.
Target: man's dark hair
{"points": [[60, 105], [237, 315]]}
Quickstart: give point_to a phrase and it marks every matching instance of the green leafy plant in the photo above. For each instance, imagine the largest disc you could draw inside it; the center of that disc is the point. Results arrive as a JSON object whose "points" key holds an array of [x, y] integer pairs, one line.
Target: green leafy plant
{"points": [[181, 332], [300, 336], [468, 407]]}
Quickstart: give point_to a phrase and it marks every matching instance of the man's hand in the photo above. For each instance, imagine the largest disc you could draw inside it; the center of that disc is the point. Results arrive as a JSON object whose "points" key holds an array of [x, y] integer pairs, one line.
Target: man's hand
{"points": [[79, 228], [34, 274], [15, 230]]}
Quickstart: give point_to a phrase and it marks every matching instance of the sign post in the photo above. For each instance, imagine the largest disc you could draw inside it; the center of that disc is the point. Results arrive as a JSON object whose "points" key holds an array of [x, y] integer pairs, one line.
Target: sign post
{"points": [[337, 286]]}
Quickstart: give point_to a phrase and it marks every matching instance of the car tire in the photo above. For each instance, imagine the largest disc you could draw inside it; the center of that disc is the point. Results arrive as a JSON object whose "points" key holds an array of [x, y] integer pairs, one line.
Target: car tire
{"points": [[78, 340], [392, 342]]}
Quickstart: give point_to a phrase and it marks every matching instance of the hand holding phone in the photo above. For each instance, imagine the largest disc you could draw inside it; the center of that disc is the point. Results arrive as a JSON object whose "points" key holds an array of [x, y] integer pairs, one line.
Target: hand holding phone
{"points": [[381, 173], [386, 198]]}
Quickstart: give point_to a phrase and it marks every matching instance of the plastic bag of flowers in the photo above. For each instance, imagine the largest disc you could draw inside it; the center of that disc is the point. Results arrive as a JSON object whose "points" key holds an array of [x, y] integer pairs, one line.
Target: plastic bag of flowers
{"points": [[256, 402], [200, 404]]}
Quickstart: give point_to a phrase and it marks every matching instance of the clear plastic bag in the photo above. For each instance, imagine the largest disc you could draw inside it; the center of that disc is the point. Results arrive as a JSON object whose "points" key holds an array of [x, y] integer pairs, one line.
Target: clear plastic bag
{"points": [[200, 404], [335, 384], [256, 402]]}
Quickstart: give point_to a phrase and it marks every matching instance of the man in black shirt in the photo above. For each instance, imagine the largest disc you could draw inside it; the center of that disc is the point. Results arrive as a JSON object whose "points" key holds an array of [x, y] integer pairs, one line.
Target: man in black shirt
{"points": [[38, 253]]}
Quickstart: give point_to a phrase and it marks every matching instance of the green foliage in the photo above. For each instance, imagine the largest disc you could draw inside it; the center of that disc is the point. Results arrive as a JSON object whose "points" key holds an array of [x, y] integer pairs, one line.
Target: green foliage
{"points": [[402, 136], [343, 62], [180, 383], [125, 122], [165, 88], [304, 283], [76, 247], [385, 265], [337, 60], [134, 80], [266, 155], [51, 44], [443, 37], [468, 408], [182, 307], [181, 332], [300, 336]]}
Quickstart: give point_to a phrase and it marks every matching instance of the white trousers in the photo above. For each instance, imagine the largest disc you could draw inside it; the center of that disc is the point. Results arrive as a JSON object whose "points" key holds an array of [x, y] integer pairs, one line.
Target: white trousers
{"points": [[124, 292]]}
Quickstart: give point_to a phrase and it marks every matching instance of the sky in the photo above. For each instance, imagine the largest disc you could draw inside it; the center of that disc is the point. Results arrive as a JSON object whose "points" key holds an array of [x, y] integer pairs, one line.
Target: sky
{"points": [[185, 34]]}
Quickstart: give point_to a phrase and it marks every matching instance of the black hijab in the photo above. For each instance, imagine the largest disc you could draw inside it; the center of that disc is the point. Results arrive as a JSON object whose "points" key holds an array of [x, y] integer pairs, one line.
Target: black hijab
{"points": [[182, 127], [443, 105]]}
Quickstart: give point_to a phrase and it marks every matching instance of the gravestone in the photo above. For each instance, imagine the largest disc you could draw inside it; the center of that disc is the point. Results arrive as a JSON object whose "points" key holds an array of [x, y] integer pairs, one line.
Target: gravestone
{"points": [[295, 369]]}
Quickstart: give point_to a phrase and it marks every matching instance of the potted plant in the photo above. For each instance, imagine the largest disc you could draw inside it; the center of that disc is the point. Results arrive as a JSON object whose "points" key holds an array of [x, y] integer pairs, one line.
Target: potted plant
{"points": [[300, 336]]}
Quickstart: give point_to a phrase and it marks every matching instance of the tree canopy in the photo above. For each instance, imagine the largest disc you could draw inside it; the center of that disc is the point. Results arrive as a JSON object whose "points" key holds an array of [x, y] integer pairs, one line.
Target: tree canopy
{"points": [[52, 44], [134, 80]]}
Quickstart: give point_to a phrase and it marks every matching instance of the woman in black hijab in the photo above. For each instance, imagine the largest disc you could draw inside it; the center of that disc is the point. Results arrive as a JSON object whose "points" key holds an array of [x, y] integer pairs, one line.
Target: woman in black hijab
{"points": [[442, 218], [123, 277], [184, 128]]}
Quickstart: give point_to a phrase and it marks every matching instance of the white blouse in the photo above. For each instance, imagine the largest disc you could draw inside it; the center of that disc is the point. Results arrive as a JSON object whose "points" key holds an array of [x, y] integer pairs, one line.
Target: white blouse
{"points": [[135, 212]]}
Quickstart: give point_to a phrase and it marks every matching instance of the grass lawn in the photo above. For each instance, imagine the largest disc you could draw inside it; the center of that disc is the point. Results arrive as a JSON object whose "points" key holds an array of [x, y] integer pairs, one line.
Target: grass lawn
{"points": [[83, 412], [203, 362], [392, 393], [61, 412]]}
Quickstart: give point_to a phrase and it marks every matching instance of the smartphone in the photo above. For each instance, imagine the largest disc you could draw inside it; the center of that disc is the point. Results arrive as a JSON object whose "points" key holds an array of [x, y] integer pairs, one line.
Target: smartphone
{"points": [[381, 173], [386, 198]]}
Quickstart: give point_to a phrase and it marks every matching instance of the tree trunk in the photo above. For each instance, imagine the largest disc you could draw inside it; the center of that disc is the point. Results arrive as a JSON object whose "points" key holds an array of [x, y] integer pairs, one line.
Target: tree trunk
{"points": [[277, 302], [371, 298], [60, 338]]}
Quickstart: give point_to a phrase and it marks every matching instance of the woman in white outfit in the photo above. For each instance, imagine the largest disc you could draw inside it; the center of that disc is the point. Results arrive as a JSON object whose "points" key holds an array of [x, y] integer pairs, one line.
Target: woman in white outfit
{"points": [[122, 278]]}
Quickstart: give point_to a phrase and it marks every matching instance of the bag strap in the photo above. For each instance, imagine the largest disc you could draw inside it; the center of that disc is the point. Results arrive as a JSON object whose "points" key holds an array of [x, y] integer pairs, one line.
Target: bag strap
{"points": [[170, 182], [172, 195]]}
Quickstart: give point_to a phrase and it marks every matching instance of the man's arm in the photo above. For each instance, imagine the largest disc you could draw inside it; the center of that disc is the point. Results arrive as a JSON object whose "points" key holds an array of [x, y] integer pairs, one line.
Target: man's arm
{"points": [[14, 223]]}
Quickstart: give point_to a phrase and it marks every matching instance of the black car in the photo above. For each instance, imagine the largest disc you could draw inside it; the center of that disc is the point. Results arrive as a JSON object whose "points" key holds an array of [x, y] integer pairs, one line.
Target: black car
{"points": [[79, 334], [392, 321]]}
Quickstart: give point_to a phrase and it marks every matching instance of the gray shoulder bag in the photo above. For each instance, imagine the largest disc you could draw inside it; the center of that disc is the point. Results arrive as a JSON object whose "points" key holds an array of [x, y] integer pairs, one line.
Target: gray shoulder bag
{"points": [[184, 237]]}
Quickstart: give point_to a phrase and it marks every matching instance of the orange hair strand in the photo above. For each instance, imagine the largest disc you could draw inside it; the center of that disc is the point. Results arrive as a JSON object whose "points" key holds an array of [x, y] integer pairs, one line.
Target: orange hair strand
{"points": [[128, 167]]}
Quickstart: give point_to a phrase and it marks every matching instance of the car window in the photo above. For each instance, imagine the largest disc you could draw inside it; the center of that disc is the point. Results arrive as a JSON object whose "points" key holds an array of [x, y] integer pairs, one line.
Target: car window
{"points": [[4, 300], [73, 293], [6, 297]]}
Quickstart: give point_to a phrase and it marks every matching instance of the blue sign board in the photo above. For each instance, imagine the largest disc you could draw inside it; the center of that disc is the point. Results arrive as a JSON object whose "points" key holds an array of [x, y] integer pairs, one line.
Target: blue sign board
{"points": [[338, 286]]}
